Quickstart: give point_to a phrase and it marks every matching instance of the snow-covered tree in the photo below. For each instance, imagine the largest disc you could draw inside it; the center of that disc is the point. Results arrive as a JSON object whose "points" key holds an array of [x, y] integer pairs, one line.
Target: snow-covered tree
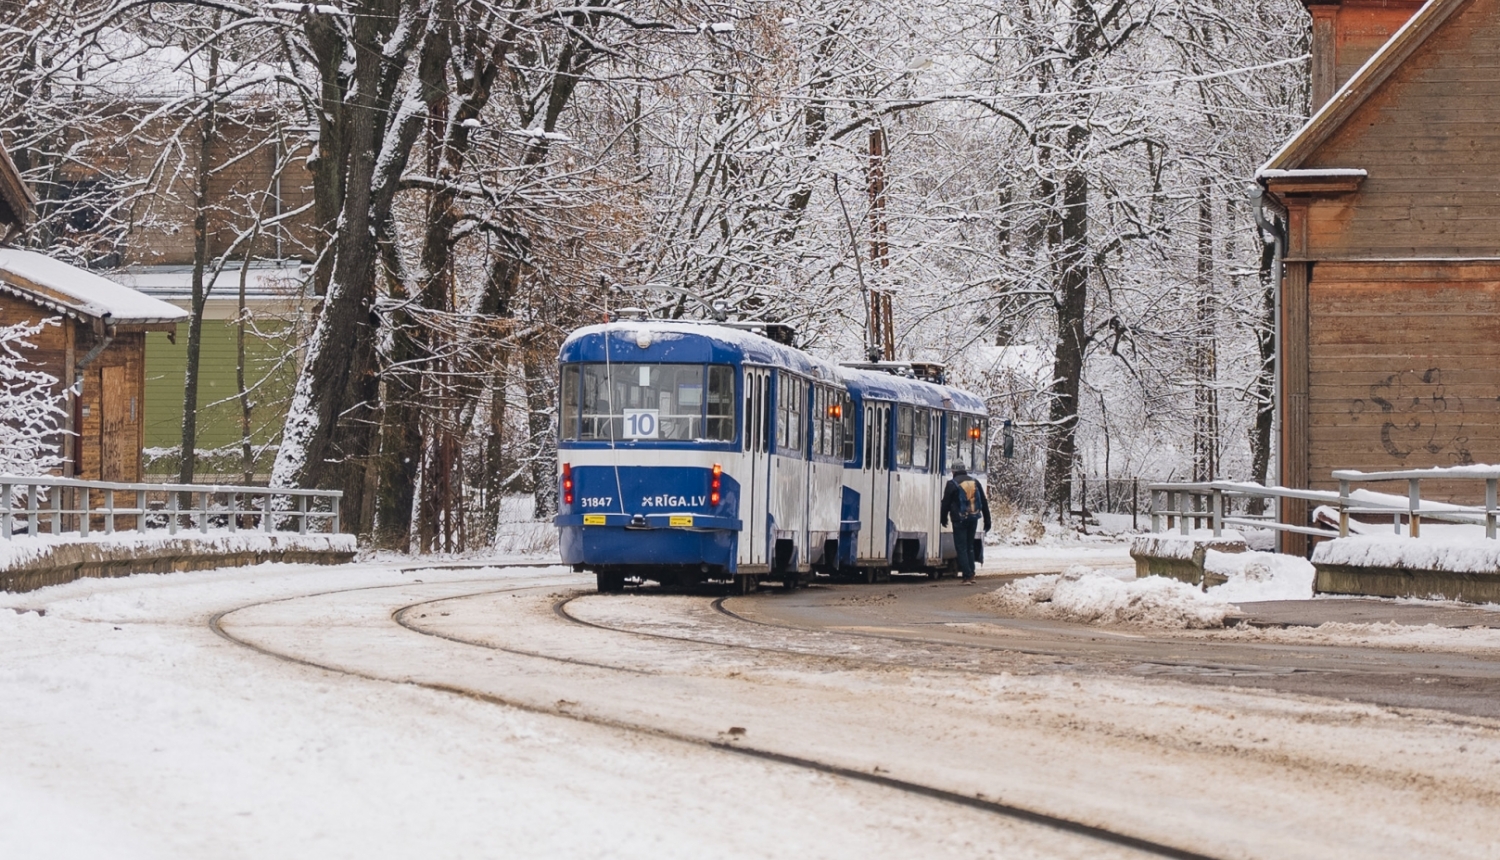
{"points": [[31, 405], [1050, 191]]}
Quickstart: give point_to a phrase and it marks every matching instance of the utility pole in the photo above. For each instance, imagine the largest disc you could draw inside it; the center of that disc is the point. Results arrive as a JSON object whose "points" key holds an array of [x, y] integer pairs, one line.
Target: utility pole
{"points": [[1205, 349], [882, 334]]}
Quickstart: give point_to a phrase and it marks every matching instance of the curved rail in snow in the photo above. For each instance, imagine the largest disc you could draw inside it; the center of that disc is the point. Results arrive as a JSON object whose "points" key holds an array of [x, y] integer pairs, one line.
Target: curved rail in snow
{"points": [[400, 615]]}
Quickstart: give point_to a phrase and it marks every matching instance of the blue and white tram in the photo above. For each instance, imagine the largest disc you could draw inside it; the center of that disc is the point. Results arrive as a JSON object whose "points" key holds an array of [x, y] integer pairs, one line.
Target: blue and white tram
{"points": [[908, 432], [687, 452], [700, 451]]}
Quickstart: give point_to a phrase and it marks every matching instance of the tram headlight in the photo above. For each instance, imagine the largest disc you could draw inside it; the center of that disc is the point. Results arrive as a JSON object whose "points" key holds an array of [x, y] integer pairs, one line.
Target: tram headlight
{"points": [[714, 484], [567, 483]]}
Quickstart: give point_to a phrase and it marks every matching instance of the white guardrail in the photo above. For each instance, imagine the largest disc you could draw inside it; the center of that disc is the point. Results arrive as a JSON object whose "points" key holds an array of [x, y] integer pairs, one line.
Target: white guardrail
{"points": [[1185, 506], [47, 505]]}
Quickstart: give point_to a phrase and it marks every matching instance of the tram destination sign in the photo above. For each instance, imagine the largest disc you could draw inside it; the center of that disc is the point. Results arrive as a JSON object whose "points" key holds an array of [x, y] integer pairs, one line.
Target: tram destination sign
{"points": [[640, 424]]}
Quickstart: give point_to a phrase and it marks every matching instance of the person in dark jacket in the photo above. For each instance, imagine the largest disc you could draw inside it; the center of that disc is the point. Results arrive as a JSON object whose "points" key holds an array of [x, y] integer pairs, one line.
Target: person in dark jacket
{"points": [[964, 502]]}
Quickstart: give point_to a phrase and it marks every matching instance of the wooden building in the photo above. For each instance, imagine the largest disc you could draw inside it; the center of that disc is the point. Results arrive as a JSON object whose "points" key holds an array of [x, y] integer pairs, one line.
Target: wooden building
{"points": [[1390, 200], [128, 188], [97, 350]]}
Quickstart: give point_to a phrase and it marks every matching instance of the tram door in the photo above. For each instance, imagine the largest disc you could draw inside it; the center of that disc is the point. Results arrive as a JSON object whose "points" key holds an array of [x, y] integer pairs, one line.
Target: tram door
{"points": [[877, 466], [881, 493], [757, 484]]}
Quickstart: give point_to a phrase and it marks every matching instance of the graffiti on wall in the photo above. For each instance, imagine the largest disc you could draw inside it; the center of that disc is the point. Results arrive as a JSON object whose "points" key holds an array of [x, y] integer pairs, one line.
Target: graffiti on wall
{"points": [[1417, 415]]}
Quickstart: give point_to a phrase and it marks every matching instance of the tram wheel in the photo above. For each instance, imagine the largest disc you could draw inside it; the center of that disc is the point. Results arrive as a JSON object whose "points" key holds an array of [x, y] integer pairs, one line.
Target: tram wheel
{"points": [[867, 575], [610, 583], [744, 583]]}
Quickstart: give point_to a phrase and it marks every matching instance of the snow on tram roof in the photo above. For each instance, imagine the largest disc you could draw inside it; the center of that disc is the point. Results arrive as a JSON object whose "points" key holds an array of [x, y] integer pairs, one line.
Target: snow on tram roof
{"points": [[690, 341], [679, 340], [904, 389]]}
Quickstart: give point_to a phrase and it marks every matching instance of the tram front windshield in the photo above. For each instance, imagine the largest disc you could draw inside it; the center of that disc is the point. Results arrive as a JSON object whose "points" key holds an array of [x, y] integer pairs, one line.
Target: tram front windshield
{"points": [[646, 402]]}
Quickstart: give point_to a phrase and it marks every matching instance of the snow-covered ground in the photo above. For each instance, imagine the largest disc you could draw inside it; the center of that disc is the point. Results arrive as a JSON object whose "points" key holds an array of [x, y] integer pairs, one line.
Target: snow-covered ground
{"points": [[130, 729]]}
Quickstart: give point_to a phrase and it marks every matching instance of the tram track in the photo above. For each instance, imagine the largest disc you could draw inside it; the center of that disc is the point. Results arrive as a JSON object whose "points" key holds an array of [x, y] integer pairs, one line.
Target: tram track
{"points": [[1066, 657], [1059, 654], [561, 610], [399, 617]]}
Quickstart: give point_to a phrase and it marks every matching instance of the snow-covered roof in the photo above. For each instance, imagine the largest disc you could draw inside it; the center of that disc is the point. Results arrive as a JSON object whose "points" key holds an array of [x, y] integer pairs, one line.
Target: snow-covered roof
{"points": [[1313, 173], [273, 279], [906, 390], [124, 65], [79, 293], [1360, 86], [678, 340], [683, 340]]}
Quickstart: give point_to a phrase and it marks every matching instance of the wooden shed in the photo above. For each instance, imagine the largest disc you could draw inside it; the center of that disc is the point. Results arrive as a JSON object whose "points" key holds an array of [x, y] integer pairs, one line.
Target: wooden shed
{"points": [[1390, 302], [98, 349]]}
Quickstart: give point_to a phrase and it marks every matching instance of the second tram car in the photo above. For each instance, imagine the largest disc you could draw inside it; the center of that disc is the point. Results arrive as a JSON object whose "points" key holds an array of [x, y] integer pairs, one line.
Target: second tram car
{"points": [[701, 451], [911, 430]]}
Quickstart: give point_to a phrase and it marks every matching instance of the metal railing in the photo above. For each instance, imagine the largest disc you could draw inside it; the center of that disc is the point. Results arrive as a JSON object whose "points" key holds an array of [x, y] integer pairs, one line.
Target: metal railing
{"points": [[1185, 506], [47, 505]]}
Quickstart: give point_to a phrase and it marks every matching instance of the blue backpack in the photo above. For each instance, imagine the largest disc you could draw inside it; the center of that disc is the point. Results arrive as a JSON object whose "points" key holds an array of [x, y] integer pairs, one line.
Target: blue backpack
{"points": [[968, 498]]}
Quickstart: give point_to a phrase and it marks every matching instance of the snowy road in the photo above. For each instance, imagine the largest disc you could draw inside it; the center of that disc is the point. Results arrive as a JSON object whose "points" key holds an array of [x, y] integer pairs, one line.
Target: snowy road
{"points": [[461, 715], [1458, 672]]}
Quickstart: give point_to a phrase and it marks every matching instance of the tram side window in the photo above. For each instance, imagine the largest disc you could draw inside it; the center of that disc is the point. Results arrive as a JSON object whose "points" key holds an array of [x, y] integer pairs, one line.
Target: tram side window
{"points": [[904, 418], [871, 413], [827, 422], [824, 417], [719, 425], [968, 439], [749, 413], [819, 422], [847, 427], [921, 424], [956, 435], [567, 427], [766, 412], [834, 419], [936, 443], [883, 441], [790, 397]]}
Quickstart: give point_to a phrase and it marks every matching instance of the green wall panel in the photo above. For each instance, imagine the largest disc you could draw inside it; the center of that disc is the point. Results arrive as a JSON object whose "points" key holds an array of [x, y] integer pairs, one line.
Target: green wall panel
{"points": [[269, 361]]}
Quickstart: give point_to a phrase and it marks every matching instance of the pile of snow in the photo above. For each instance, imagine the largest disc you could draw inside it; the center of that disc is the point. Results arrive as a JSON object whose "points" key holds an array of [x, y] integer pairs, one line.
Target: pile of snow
{"points": [[1466, 555], [1086, 595], [1260, 576]]}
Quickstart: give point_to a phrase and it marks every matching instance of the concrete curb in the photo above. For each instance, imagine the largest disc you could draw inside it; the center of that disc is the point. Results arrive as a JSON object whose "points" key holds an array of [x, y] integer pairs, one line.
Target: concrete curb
{"points": [[1181, 558], [1406, 582], [65, 562]]}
